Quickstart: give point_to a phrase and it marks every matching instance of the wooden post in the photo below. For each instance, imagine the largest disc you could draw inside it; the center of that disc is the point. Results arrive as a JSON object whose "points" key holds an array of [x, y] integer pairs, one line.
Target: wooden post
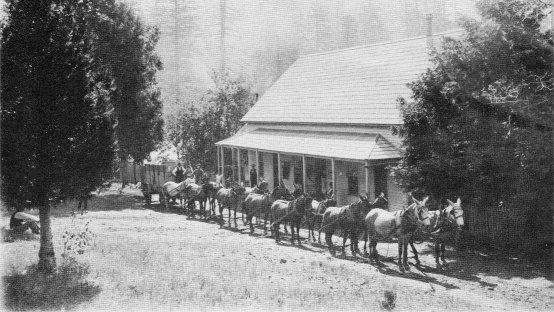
{"points": [[304, 172], [258, 166], [238, 165], [366, 166], [333, 178], [218, 159], [222, 160], [279, 169]]}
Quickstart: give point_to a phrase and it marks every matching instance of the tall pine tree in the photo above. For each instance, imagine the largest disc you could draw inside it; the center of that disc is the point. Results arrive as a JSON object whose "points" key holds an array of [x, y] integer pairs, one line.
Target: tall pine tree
{"points": [[60, 97], [480, 125]]}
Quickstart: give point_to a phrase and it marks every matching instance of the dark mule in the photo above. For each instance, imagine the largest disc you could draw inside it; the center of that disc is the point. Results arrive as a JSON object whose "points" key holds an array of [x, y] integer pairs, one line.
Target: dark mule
{"points": [[401, 224], [260, 188], [256, 204], [229, 198], [293, 211], [347, 218], [315, 214], [212, 188], [447, 225], [195, 193]]}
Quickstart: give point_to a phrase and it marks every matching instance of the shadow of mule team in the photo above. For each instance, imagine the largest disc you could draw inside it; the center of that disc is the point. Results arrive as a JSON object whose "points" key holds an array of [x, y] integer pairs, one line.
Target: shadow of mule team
{"points": [[370, 220]]}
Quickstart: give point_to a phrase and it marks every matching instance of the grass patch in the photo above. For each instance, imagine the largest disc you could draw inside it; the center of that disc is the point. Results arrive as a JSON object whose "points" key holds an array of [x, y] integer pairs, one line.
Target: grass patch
{"points": [[32, 290]]}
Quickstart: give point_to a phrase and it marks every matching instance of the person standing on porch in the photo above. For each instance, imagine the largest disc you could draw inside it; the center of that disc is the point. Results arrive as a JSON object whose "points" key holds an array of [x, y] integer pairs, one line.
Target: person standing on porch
{"points": [[330, 194], [253, 176]]}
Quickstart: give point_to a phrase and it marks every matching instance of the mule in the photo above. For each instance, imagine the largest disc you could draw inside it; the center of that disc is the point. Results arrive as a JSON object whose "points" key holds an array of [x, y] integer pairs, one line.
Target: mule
{"points": [[256, 204], [195, 193], [400, 224], [260, 188], [171, 190], [447, 225], [315, 214], [293, 212], [347, 218], [212, 188], [229, 198]]}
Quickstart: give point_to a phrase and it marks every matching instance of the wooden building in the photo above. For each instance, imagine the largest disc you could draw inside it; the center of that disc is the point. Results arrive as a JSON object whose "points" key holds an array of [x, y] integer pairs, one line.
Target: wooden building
{"points": [[328, 118]]}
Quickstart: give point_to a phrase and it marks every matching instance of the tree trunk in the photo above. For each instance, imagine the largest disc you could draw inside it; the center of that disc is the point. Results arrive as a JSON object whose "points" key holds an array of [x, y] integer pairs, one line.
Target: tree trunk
{"points": [[46, 255]]}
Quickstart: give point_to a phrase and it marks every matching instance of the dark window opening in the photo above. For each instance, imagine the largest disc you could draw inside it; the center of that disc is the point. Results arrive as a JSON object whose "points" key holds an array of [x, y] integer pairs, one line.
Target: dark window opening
{"points": [[352, 185]]}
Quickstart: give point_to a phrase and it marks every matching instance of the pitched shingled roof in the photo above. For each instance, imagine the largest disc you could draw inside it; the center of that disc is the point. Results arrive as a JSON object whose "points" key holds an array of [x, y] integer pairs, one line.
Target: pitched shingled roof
{"points": [[339, 145], [358, 85]]}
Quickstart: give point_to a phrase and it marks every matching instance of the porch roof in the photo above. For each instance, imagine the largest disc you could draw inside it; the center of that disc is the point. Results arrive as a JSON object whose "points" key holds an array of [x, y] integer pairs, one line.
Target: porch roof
{"points": [[340, 145]]}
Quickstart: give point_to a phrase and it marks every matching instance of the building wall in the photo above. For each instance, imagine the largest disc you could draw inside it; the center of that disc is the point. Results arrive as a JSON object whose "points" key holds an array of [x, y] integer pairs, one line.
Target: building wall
{"points": [[268, 169], [288, 178], [397, 198]]}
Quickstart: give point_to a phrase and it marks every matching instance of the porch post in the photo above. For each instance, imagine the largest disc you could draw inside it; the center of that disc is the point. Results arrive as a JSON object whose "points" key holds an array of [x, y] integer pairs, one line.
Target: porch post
{"points": [[222, 161], [279, 168], [218, 159], [304, 173], [238, 164], [258, 166], [366, 166], [334, 184]]}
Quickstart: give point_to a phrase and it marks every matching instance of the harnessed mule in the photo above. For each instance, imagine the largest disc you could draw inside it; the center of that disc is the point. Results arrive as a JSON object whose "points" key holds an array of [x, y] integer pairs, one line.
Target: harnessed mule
{"points": [[401, 224], [315, 214], [447, 224], [255, 204], [229, 198], [293, 212], [171, 190], [347, 218]]}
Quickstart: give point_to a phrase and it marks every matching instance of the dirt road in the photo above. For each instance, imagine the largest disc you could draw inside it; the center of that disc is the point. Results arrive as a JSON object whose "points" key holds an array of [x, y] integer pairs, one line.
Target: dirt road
{"points": [[146, 259]]}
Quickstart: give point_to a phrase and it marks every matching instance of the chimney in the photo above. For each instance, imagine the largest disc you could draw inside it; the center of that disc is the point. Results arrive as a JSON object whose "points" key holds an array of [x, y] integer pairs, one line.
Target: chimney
{"points": [[429, 18]]}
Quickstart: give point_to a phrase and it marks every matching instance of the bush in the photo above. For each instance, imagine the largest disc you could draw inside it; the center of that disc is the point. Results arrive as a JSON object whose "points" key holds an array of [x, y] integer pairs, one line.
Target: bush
{"points": [[31, 289]]}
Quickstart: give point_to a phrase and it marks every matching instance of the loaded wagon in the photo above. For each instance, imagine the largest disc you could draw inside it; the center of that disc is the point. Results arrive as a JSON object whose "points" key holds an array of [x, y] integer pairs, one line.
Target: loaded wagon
{"points": [[151, 177]]}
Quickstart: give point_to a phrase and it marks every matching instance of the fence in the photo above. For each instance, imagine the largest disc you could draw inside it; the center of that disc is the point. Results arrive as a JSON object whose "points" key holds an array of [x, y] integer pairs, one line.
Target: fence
{"points": [[500, 227]]}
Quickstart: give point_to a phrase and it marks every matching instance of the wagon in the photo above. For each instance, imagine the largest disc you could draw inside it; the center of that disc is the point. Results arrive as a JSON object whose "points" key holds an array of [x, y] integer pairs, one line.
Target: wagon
{"points": [[151, 177]]}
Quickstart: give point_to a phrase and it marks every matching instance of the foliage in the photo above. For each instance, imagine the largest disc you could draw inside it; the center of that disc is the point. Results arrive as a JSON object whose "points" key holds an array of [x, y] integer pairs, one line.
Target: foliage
{"points": [[196, 130], [125, 47], [480, 125], [56, 130], [75, 74], [33, 290], [77, 242]]}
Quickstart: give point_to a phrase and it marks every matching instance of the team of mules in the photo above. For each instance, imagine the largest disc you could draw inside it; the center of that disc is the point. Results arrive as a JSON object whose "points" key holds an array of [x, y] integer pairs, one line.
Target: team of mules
{"points": [[363, 218]]}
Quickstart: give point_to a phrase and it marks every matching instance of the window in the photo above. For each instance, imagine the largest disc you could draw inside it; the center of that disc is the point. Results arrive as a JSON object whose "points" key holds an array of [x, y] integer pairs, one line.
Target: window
{"points": [[352, 185], [352, 174], [381, 173]]}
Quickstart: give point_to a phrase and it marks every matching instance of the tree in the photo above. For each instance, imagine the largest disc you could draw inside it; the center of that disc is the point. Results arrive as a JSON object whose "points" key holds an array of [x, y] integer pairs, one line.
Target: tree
{"points": [[125, 47], [196, 130], [480, 124], [58, 114]]}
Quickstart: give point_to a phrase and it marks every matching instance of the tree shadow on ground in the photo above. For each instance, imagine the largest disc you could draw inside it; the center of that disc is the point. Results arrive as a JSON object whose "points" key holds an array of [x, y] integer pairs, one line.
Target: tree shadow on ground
{"points": [[108, 202], [32, 290], [9, 236], [384, 269], [468, 264]]}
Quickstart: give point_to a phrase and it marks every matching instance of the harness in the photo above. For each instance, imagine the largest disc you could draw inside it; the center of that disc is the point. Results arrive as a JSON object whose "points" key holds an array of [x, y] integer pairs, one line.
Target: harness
{"points": [[443, 221], [290, 211], [340, 218]]}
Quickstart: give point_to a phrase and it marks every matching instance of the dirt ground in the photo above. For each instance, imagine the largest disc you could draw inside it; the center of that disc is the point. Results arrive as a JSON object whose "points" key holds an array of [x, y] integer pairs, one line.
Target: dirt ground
{"points": [[146, 258]]}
